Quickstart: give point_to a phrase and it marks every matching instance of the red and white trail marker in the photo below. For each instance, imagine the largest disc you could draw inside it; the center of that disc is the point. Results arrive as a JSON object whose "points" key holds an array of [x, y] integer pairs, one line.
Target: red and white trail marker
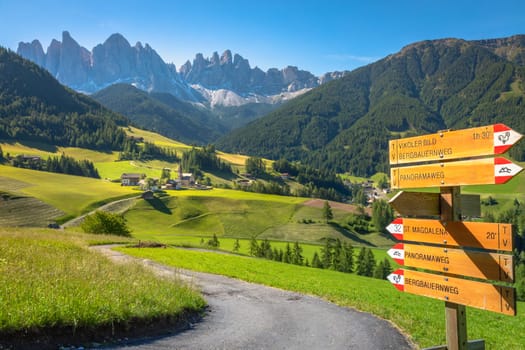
{"points": [[504, 138]]}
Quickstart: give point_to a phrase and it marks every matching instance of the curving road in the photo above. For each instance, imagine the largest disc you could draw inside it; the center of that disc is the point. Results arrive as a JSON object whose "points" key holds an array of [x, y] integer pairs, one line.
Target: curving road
{"points": [[243, 315]]}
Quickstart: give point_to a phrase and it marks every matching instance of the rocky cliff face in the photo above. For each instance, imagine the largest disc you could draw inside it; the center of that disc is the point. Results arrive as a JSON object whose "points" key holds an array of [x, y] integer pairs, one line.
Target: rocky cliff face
{"points": [[236, 75], [114, 61], [206, 79]]}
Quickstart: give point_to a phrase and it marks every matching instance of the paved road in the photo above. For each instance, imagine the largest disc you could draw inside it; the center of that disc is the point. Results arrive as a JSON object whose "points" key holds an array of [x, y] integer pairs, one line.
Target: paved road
{"points": [[242, 315]]}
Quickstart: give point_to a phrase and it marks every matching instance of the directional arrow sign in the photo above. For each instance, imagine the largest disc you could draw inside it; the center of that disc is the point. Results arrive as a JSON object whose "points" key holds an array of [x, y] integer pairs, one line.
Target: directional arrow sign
{"points": [[485, 171], [480, 295], [445, 145], [427, 204], [484, 235], [491, 266]]}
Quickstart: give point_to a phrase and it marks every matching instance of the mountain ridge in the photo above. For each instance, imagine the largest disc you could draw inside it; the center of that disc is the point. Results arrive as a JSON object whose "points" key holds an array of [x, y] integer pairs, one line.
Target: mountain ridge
{"points": [[116, 61]]}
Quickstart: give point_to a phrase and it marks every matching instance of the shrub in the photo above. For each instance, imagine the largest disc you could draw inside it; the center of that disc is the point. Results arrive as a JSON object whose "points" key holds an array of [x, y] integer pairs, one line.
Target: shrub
{"points": [[104, 222]]}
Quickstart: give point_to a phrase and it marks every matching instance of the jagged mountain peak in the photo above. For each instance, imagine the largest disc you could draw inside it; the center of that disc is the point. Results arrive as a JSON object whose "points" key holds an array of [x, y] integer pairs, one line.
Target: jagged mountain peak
{"points": [[116, 61], [118, 40], [226, 57]]}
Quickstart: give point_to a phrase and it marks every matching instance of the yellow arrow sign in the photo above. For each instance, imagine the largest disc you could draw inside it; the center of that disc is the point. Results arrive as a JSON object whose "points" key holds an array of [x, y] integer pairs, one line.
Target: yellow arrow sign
{"points": [[483, 235], [480, 295], [487, 171], [474, 142], [491, 266]]}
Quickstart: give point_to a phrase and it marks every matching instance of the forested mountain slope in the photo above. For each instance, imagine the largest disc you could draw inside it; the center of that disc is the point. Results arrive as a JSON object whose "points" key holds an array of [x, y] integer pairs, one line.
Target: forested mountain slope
{"points": [[428, 86], [162, 113], [34, 106]]}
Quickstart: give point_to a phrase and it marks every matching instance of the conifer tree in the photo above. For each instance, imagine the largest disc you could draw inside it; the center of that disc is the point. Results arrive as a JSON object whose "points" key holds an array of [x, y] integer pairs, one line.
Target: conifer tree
{"points": [[370, 263], [287, 258], [383, 269], [316, 262], [236, 245], [276, 255], [297, 254], [382, 215], [327, 211], [336, 254], [345, 260], [326, 255], [214, 241], [254, 247], [265, 250], [366, 262], [361, 262]]}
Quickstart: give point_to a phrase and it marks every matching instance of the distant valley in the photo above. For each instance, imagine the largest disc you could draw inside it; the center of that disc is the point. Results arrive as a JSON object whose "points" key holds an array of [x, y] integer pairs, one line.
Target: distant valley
{"points": [[342, 125]]}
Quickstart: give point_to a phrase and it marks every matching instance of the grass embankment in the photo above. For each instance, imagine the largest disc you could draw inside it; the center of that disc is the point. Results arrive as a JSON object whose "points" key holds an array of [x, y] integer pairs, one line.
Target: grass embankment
{"points": [[421, 317], [238, 214], [227, 244], [52, 284]]}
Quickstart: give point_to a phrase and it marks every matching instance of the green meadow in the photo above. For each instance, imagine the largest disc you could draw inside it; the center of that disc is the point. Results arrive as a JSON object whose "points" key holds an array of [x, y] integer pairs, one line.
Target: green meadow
{"points": [[52, 280], [422, 318], [237, 214]]}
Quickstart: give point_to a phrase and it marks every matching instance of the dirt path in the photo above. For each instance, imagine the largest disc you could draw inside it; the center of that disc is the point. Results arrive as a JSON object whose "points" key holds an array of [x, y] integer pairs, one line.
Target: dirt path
{"points": [[118, 206], [243, 315]]}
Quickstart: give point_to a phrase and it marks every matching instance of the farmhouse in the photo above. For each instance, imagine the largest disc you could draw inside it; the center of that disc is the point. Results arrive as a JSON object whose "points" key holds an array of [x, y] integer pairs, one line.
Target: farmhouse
{"points": [[130, 179], [186, 179]]}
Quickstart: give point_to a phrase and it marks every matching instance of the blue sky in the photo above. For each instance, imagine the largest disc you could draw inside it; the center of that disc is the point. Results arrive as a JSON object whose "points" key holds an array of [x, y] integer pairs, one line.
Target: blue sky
{"points": [[318, 36]]}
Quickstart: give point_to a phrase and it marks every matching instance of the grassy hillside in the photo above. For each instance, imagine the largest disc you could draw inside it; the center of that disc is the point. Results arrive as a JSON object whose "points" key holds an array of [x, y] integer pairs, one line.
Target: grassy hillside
{"points": [[237, 214], [69, 194], [52, 284]]}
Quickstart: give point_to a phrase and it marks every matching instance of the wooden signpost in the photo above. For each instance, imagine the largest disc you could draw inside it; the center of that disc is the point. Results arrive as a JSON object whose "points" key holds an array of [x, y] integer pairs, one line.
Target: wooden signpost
{"points": [[427, 204], [491, 266], [442, 165]]}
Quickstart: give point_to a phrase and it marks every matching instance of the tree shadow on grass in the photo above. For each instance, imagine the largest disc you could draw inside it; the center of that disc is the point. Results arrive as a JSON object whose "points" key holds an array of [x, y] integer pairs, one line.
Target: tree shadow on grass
{"points": [[35, 144], [159, 205], [348, 234]]}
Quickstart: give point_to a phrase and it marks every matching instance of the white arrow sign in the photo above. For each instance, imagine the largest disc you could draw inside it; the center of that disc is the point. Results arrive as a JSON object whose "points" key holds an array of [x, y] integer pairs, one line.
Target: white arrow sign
{"points": [[504, 138]]}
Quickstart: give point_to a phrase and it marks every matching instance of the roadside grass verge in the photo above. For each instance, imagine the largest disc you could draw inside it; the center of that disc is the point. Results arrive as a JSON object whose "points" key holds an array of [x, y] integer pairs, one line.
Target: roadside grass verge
{"points": [[227, 244], [422, 318], [50, 281]]}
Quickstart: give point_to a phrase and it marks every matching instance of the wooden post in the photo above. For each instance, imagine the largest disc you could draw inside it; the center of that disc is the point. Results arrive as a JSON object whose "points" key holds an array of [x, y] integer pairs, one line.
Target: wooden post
{"points": [[455, 314]]}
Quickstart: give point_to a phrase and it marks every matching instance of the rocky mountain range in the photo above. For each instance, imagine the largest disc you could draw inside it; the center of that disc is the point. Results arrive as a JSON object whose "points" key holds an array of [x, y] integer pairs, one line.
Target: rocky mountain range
{"points": [[226, 80]]}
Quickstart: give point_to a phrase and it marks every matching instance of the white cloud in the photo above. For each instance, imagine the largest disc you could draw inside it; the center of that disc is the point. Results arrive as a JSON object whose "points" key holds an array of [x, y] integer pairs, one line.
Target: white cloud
{"points": [[350, 57]]}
